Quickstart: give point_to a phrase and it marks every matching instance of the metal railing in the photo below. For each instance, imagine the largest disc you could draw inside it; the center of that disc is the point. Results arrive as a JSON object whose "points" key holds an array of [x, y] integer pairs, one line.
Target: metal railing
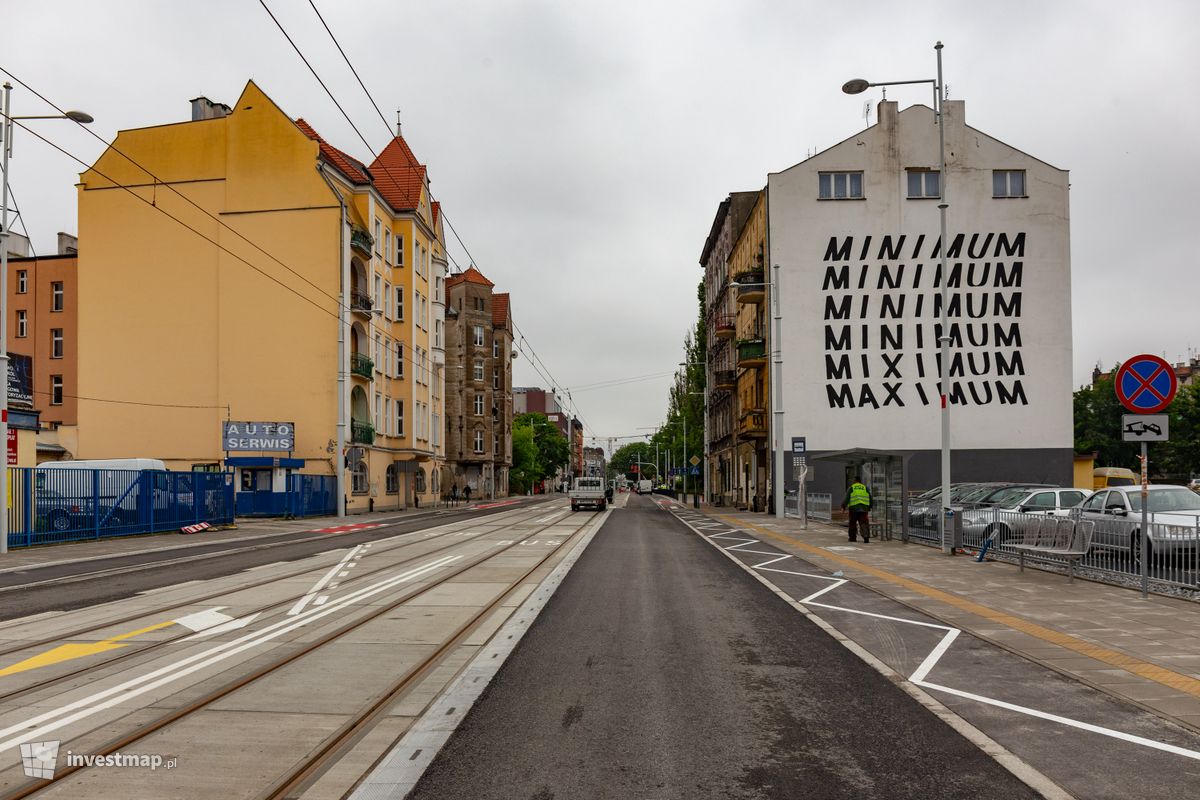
{"points": [[751, 350], [362, 240], [360, 301], [820, 506], [362, 365], [1113, 557], [362, 432], [61, 505]]}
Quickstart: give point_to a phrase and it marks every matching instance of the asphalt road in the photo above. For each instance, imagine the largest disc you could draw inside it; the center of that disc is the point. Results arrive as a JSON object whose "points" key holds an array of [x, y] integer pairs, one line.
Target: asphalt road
{"points": [[79, 584], [659, 669]]}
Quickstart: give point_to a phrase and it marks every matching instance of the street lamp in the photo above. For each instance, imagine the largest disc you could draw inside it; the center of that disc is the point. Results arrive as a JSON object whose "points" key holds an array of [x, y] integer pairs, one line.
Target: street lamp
{"points": [[6, 136], [857, 86]]}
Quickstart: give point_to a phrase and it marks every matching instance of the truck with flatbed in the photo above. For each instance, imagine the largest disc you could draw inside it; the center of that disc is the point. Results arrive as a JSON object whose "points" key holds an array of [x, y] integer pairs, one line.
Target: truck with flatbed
{"points": [[588, 493]]}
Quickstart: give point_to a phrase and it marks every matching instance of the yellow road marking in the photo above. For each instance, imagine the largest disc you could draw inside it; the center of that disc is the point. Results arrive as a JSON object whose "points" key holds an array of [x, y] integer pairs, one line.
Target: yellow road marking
{"points": [[1153, 672], [66, 652]]}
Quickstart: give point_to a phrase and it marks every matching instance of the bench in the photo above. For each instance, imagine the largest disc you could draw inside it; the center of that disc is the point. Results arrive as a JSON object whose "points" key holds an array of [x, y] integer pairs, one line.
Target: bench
{"points": [[1056, 538]]}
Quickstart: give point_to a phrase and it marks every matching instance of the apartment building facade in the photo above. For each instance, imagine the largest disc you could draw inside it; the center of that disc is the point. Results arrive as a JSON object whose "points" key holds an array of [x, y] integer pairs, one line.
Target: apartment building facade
{"points": [[294, 285], [479, 390]]}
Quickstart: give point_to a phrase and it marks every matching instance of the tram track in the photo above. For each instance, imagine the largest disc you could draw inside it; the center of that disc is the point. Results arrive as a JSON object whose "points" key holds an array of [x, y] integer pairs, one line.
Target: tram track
{"points": [[129, 653], [336, 743]]}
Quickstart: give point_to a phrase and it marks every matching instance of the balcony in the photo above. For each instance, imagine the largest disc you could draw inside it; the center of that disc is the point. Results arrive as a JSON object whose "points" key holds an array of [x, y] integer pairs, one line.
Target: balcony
{"points": [[360, 302], [361, 241], [724, 326], [752, 289], [753, 424], [752, 352], [362, 432], [362, 366], [725, 378]]}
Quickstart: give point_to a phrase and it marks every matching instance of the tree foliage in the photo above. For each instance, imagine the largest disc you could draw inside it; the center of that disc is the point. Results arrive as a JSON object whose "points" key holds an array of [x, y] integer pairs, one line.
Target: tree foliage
{"points": [[552, 449], [525, 468]]}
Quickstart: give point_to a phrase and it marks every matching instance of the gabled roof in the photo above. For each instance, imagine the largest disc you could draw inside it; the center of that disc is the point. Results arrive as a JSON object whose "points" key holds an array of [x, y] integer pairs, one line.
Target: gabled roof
{"points": [[472, 275], [500, 310], [398, 175], [437, 211], [349, 166]]}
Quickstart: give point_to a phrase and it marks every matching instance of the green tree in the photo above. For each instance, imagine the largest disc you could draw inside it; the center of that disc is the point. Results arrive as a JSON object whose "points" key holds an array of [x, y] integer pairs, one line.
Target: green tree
{"points": [[622, 459], [553, 451], [525, 468]]}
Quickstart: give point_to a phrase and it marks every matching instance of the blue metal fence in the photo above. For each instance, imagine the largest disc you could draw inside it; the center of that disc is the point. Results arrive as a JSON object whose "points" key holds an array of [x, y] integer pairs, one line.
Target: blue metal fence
{"points": [[61, 505], [312, 495]]}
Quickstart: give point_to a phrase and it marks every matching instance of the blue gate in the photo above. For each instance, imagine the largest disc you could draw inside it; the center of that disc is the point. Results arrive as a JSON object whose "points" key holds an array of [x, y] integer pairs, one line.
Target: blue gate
{"points": [[305, 496], [61, 505]]}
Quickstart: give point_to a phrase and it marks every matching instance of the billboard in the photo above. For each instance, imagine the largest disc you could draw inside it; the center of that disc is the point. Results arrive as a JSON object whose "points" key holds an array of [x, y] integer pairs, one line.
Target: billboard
{"points": [[20, 381], [240, 437]]}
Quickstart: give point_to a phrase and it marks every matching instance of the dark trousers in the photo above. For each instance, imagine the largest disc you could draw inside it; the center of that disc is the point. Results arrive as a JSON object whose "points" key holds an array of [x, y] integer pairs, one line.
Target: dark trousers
{"points": [[859, 522]]}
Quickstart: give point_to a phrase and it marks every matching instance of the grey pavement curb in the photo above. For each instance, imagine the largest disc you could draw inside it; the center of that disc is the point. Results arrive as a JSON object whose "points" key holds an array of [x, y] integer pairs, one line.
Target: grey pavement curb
{"points": [[402, 767], [1023, 771]]}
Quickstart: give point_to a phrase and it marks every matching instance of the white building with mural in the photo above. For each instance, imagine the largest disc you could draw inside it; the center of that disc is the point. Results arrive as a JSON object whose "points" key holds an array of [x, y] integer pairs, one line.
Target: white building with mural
{"points": [[854, 231]]}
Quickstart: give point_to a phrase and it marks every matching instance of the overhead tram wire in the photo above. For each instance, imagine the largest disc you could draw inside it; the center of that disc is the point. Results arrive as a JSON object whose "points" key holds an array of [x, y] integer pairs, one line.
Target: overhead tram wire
{"points": [[346, 115]]}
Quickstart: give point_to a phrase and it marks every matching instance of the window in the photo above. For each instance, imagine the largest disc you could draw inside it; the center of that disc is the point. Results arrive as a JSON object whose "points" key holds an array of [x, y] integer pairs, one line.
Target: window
{"points": [[424, 313], [378, 411], [360, 480], [1095, 502], [56, 343], [477, 335], [478, 405], [479, 304], [840, 185], [391, 480], [437, 433], [437, 289], [1042, 501], [22, 281], [56, 390], [1008, 183], [378, 352], [495, 348], [378, 298], [378, 236], [495, 377], [400, 303], [387, 245], [1070, 499], [479, 369], [496, 444], [56, 296], [399, 250], [923, 183], [387, 300], [22, 324], [478, 441], [399, 359], [437, 333], [399, 417], [387, 416]]}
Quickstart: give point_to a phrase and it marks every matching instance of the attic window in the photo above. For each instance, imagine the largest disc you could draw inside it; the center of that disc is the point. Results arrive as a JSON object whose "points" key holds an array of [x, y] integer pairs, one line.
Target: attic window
{"points": [[1008, 183], [923, 183], [840, 185]]}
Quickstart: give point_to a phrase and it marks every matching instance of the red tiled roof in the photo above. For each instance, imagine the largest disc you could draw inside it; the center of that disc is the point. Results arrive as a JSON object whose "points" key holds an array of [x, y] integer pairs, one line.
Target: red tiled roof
{"points": [[399, 177], [472, 275], [500, 310], [349, 166], [437, 211]]}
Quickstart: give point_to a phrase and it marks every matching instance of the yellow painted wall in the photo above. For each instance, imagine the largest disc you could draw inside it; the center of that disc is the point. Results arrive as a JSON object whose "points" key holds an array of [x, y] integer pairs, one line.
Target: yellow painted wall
{"points": [[168, 318], [1083, 471]]}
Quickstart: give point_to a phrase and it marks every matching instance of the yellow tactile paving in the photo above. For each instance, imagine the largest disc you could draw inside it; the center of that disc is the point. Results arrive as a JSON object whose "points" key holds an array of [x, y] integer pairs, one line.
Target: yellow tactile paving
{"points": [[1131, 664]]}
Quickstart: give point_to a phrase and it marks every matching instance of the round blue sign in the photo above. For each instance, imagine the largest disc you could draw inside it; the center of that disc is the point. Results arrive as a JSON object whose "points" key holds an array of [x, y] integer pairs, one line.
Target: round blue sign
{"points": [[1145, 384]]}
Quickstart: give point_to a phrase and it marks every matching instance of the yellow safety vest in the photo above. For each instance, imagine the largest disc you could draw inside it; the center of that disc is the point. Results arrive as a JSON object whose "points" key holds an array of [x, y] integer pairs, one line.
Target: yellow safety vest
{"points": [[859, 496]]}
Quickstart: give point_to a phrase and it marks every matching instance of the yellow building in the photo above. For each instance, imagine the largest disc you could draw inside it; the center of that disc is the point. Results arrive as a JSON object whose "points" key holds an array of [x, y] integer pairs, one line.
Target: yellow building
{"points": [[752, 467], [240, 268]]}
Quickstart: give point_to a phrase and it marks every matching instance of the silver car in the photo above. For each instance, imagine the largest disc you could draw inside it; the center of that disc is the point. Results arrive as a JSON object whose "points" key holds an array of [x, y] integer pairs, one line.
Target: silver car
{"points": [[1174, 517], [1012, 509]]}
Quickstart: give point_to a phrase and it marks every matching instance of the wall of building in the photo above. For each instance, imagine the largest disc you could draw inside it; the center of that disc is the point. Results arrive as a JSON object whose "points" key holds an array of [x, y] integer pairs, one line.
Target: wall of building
{"points": [[37, 303], [858, 289]]}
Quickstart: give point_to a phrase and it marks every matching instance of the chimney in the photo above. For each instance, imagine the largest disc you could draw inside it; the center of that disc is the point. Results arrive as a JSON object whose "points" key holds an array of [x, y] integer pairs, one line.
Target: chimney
{"points": [[203, 108], [68, 245]]}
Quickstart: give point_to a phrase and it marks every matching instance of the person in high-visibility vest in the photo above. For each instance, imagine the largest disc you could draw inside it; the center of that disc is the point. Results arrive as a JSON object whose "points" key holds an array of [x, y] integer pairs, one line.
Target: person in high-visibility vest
{"points": [[858, 501]]}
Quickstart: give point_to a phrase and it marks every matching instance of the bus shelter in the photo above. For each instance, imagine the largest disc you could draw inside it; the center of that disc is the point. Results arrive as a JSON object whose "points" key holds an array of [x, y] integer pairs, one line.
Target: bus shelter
{"points": [[885, 473]]}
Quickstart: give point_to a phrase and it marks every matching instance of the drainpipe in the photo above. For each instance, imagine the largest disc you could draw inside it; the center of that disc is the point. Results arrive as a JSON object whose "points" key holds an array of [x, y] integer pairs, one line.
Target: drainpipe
{"points": [[343, 357]]}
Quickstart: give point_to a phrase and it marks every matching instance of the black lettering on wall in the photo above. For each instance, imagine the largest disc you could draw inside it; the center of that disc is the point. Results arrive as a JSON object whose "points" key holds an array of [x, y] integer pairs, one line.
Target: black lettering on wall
{"points": [[837, 278], [839, 370], [842, 398], [838, 310], [839, 342], [835, 251], [1014, 397]]}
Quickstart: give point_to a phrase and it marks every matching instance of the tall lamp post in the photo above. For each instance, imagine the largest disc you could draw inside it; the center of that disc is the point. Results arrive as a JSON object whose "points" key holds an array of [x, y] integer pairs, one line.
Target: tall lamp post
{"points": [[6, 136], [695, 497], [857, 86]]}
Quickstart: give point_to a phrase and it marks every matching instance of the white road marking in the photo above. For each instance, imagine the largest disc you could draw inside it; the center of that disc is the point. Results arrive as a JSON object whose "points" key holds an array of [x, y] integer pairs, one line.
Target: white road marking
{"points": [[208, 618], [322, 600], [935, 655], [320, 584], [45, 723], [225, 627]]}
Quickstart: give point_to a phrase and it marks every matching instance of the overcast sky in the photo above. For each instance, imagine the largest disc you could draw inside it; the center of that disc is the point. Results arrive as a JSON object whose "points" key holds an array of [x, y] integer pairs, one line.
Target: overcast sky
{"points": [[581, 150]]}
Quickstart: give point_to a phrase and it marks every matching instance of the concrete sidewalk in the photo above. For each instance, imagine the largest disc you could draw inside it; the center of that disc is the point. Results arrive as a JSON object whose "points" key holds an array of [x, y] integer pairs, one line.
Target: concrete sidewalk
{"points": [[1146, 652]]}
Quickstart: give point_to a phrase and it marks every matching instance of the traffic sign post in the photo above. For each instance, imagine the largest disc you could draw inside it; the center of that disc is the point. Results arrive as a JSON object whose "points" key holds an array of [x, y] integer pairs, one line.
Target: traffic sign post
{"points": [[1145, 385]]}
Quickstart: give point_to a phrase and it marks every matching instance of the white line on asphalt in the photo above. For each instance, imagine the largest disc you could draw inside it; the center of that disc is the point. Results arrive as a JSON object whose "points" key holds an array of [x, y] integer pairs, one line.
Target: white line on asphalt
{"points": [[772, 561], [322, 600], [320, 584], [32, 729], [935, 655]]}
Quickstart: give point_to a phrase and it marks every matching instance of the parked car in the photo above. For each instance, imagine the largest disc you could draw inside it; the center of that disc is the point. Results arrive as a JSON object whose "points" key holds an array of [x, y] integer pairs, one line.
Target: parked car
{"points": [[1105, 477], [1174, 517], [1012, 509], [923, 510], [55, 511]]}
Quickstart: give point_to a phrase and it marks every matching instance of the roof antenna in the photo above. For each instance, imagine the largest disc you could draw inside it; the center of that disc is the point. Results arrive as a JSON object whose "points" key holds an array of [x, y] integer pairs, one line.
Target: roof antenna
{"points": [[397, 122]]}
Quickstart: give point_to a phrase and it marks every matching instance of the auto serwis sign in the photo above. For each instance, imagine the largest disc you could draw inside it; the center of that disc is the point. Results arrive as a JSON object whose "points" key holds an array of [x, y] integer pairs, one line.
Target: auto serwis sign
{"points": [[1145, 384], [258, 436]]}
